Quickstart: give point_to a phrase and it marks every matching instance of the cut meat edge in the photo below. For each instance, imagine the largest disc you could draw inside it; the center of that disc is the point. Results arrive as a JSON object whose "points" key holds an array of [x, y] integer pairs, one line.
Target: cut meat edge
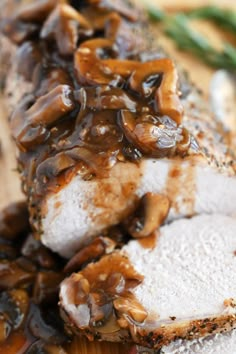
{"points": [[214, 344], [205, 309], [96, 205]]}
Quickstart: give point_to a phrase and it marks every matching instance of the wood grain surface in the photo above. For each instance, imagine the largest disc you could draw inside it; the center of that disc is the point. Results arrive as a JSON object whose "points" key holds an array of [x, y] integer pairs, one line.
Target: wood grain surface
{"points": [[9, 180]]}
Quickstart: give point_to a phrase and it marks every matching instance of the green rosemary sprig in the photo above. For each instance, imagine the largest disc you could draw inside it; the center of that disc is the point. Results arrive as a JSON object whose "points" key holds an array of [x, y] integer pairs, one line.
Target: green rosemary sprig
{"points": [[177, 27], [190, 40], [224, 18]]}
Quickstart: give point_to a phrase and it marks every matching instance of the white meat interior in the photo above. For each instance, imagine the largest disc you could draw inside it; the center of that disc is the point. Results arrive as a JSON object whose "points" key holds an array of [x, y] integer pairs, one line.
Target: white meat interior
{"points": [[191, 271]]}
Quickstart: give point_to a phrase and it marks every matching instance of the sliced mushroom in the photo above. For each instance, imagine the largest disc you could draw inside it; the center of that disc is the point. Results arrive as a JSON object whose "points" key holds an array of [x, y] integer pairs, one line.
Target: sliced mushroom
{"points": [[101, 20], [46, 325], [110, 326], [97, 163], [28, 57], [54, 166], [65, 24], [52, 78], [38, 253], [105, 97], [7, 252], [126, 37], [116, 283], [12, 275], [186, 141], [17, 342], [99, 247], [17, 31], [91, 69], [100, 308], [52, 106], [166, 95], [129, 306], [5, 330], [87, 298], [46, 287], [14, 306], [112, 25], [29, 123], [81, 289], [120, 6], [37, 10], [151, 213], [150, 134], [14, 220]]}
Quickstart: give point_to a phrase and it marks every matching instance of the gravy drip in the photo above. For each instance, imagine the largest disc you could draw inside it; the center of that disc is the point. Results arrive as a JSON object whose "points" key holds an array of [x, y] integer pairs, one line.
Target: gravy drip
{"points": [[181, 182]]}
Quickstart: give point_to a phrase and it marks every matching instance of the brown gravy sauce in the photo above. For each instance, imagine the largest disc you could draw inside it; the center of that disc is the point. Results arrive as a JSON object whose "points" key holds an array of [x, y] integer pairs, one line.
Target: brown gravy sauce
{"points": [[189, 183], [181, 181], [174, 184], [150, 241], [117, 192], [105, 287], [94, 102]]}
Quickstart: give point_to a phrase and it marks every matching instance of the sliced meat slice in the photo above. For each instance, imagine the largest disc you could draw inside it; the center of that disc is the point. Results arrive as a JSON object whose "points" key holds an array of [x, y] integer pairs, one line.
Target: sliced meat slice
{"points": [[199, 183], [214, 344], [95, 205], [77, 177], [182, 288], [217, 344]]}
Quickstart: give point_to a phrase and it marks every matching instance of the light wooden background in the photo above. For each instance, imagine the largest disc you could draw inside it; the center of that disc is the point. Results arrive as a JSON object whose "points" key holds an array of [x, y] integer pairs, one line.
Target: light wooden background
{"points": [[9, 181]]}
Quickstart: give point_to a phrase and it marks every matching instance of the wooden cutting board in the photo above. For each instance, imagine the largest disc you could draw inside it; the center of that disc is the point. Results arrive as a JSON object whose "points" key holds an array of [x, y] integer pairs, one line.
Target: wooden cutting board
{"points": [[9, 179]]}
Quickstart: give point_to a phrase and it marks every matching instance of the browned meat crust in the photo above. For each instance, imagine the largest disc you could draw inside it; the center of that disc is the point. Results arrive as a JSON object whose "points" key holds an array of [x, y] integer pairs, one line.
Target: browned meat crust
{"points": [[114, 293]]}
